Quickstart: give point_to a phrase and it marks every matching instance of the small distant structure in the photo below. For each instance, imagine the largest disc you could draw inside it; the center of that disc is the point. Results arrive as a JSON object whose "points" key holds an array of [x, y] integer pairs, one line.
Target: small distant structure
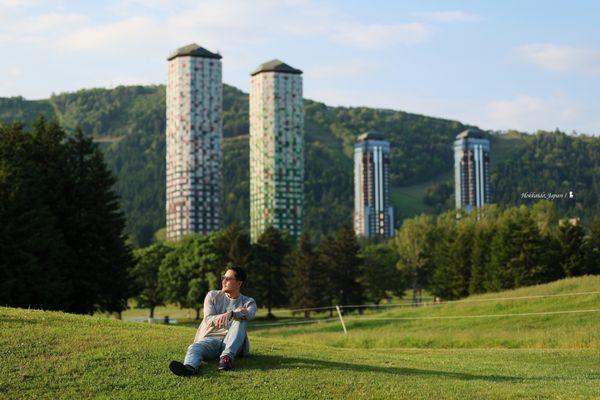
{"points": [[472, 170], [373, 211]]}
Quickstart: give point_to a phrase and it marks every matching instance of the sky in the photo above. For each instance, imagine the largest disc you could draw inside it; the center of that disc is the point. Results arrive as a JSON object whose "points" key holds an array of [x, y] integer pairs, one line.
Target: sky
{"points": [[496, 64]]}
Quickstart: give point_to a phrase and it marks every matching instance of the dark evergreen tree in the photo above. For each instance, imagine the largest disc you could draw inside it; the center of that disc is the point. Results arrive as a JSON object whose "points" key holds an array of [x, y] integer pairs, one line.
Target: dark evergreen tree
{"points": [[592, 248], [328, 274], [231, 246], [516, 251], [303, 281], [481, 252], [31, 246], [94, 230], [452, 256], [379, 276], [271, 249], [347, 280], [80, 259], [572, 258]]}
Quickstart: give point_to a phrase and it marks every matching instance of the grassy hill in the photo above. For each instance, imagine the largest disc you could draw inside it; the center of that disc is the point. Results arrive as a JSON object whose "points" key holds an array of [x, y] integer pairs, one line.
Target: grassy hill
{"points": [[54, 355]]}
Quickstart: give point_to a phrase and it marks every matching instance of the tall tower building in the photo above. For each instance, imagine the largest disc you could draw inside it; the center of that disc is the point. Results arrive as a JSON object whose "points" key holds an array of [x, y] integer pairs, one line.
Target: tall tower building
{"points": [[373, 211], [276, 149], [471, 170], [194, 136]]}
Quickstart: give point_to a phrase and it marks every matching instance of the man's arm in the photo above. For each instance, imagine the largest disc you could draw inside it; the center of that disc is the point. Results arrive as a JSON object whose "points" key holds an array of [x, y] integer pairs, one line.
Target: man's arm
{"points": [[246, 312], [211, 314]]}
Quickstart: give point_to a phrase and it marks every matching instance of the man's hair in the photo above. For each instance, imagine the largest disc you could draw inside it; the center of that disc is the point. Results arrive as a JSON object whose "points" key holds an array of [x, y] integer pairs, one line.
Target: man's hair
{"points": [[240, 273]]}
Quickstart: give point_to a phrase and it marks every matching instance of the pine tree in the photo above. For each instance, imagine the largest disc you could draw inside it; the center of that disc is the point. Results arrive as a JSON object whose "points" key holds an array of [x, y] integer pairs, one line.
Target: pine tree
{"points": [[592, 248], [94, 230], [328, 272], [443, 259], [516, 251], [271, 249], [303, 281], [31, 247], [343, 267], [570, 237], [452, 256], [379, 274]]}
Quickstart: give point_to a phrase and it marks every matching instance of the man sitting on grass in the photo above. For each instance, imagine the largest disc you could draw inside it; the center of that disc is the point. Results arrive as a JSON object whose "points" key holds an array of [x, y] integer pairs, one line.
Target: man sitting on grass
{"points": [[222, 332]]}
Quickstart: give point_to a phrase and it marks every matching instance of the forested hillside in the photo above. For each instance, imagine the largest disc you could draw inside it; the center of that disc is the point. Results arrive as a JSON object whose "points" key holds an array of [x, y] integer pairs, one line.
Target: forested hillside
{"points": [[130, 124]]}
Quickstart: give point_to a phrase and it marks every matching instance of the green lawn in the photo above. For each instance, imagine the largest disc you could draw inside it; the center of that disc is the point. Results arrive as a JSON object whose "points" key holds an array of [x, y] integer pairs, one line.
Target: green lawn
{"points": [[55, 355]]}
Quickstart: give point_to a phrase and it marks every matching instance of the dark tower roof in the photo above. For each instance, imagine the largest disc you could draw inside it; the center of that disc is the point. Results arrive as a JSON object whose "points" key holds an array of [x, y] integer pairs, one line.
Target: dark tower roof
{"points": [[471, 134], [193, 50], [371, 135], [276, 66]]}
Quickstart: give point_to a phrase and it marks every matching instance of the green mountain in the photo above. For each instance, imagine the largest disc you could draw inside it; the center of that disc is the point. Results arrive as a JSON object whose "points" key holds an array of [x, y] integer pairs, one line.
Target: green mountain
{"points": [[129, 124]]}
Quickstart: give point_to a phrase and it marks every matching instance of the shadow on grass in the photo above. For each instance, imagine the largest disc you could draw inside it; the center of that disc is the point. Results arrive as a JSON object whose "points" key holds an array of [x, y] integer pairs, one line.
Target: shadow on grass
{"points": [[268, 362]]}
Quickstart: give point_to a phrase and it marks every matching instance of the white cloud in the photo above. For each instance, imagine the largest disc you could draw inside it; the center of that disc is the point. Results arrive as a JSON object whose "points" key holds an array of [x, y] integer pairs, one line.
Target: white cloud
{"points": [[450, 16], [562, 58], [38, 30], [14, 72], [122, 35], [377, 36], [531, 113], [522, 112], [17, 3], [51, 22]]}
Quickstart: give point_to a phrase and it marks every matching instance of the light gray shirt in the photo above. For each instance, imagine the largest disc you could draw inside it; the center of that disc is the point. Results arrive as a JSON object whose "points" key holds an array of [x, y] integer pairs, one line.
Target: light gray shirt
{"points": [[216, 303]]}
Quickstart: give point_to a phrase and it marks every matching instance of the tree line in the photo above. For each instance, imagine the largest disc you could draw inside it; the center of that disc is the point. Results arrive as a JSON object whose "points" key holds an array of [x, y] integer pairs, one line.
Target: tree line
{"points": [[281, 272], [62, 241], [495, 249], [453, 256]]}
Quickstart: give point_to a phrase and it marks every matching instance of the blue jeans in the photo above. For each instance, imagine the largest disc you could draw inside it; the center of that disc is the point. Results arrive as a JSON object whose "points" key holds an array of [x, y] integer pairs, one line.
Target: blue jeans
{"points": [[209, 347]]}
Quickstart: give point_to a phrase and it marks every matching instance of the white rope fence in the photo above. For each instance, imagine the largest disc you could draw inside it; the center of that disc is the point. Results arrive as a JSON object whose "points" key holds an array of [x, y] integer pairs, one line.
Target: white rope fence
{"points": [[363, 318], [421, 304]]}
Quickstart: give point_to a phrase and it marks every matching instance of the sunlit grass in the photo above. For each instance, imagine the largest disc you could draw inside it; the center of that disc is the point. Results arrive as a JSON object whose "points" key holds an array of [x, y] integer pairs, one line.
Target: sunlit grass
{"points": [[59, 356]]}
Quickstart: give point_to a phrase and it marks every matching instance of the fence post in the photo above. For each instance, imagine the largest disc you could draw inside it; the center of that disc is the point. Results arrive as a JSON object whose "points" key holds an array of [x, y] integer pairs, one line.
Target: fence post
{"points": [[341, 319]]}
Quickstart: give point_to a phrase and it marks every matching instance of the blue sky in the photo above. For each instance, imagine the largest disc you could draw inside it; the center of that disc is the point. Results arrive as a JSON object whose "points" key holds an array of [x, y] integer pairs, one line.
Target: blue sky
{"points": [[501, 65]]}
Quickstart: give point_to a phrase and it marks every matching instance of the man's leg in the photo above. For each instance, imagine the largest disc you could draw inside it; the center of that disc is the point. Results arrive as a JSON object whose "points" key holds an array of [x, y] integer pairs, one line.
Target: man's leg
{"points": [[233, 344], [209, 347]]}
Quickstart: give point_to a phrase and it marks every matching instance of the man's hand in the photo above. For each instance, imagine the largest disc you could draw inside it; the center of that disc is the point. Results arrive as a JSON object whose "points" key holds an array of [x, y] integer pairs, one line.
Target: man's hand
{"points": [[222, 320]]}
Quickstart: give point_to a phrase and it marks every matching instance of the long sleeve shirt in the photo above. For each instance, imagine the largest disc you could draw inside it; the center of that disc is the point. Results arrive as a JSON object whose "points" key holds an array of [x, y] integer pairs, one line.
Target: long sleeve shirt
{"points": [[216, 303]]}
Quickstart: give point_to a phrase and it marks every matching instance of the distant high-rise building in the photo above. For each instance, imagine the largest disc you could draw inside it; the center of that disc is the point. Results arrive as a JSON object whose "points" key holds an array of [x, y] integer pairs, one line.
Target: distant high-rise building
{"points": [[373, 211], [276, 149], [194, 136], [471, 170]]}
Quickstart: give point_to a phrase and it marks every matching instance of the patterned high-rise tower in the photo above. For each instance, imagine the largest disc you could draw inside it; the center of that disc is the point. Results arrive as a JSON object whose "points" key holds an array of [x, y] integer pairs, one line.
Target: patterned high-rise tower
{"points": [[471, 170], [276, 149], [194, 136], [373, 211]]}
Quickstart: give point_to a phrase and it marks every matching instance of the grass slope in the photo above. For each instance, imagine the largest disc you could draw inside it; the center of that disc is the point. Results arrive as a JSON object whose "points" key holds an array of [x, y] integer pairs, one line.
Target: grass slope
{"points": [[515, 319], [54, 355]]}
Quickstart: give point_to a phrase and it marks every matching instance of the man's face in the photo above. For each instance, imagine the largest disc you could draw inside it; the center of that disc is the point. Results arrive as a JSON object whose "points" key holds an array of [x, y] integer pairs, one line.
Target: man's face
{"points": [[230, 283]]}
